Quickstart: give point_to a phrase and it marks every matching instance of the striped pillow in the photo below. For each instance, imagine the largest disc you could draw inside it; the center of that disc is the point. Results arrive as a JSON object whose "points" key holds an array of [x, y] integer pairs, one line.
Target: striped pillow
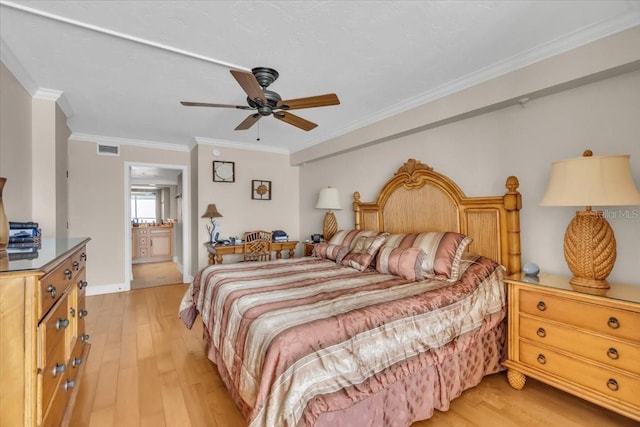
{"points": [[364, 251], [443, 252], [330, 251], [348, 237], [406, 263]]}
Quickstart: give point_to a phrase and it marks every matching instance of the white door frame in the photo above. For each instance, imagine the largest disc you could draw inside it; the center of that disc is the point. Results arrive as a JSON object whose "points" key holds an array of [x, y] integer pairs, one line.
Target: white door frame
{"points": [[186, 219]]}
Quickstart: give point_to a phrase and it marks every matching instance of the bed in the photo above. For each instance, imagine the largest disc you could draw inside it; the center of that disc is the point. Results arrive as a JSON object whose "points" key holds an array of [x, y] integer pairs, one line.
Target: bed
{"points": [[385, 323]]}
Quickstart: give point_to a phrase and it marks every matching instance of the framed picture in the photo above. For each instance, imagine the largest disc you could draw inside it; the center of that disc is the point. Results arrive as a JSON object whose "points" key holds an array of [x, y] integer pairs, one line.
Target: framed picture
{"points": [[260, 190], [224, 171]]}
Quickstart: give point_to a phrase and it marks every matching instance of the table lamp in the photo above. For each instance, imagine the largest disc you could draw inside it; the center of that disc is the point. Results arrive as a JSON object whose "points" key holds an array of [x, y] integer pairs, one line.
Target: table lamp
{"points": [[213, 228], [589, 242], [329, 199]]}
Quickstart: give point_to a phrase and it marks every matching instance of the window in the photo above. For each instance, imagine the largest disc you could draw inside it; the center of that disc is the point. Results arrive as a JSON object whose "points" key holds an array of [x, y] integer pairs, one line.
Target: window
{"points": [[143, 207]]}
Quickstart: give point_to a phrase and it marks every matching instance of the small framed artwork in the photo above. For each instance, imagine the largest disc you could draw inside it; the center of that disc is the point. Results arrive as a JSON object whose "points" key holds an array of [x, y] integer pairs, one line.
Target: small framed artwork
{"points": [[224, 171], [260, 190]]}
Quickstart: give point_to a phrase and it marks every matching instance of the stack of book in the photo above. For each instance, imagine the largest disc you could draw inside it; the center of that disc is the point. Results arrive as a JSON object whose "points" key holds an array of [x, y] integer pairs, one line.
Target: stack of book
{"points": [[24, 240]]}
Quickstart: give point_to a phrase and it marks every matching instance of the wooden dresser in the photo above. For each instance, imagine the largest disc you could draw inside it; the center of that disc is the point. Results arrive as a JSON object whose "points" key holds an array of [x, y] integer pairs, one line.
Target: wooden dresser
{"points": [[43, 343], [585, 344]]}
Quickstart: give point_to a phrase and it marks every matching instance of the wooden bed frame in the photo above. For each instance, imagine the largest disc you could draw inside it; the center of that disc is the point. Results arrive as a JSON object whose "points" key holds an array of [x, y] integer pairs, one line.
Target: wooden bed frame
{"points": [[417, 199]]}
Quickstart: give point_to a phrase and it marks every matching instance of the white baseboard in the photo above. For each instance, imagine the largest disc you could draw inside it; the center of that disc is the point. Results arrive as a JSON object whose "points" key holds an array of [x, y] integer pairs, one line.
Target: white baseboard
{"points": [[106, 289]]}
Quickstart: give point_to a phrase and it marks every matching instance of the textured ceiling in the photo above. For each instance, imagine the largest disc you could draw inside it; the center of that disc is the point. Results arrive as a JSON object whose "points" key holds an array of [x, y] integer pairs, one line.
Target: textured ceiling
{"points": [[123, 66]]}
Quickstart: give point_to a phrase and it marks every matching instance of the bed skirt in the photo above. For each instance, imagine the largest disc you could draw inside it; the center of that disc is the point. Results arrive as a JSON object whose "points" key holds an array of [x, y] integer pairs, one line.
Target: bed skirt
{"points": [[408, 392]]}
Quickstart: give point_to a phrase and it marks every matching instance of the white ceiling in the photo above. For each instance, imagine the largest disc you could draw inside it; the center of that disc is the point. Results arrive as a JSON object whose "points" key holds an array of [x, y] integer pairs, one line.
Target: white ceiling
{"points": [[123, 66]]}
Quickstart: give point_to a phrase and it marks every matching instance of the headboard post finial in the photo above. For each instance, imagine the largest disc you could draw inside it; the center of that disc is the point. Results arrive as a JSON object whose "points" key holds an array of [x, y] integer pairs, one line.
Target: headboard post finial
{"points": [[356, 209], [513, 204]]}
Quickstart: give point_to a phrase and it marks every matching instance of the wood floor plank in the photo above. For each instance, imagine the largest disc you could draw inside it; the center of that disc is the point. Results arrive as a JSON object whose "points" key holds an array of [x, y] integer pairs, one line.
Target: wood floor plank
{"points": [[146, 368]]}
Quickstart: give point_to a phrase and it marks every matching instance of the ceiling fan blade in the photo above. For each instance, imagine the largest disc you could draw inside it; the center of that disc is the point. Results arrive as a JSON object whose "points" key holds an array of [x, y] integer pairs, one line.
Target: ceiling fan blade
{"points": [[292, 119], [248, 122], [206, 104], [309, 102], [249, 84]]}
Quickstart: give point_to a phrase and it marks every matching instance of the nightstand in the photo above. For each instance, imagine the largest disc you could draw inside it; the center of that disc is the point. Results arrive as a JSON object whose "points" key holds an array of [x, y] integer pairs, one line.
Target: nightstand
{"points": [[308, 248], [585, 344]]}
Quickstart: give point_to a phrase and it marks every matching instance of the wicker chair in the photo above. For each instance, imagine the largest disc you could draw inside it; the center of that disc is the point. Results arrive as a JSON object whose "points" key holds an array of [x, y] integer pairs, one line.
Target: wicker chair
{"points": [[257, 246]]}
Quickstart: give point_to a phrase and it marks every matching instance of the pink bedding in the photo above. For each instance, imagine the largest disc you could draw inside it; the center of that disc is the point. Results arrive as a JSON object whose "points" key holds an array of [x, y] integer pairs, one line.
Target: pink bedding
{"points": [[305, 341]]}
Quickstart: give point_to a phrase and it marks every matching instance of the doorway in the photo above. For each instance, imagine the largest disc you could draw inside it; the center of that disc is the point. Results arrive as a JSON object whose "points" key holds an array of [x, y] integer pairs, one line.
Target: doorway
{"points": [[156, 215]]}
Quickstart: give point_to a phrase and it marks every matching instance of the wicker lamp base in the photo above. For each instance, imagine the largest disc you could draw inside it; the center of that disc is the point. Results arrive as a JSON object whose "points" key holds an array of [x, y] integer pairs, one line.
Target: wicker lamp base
{"points": [[330, 226], [590, 249]]}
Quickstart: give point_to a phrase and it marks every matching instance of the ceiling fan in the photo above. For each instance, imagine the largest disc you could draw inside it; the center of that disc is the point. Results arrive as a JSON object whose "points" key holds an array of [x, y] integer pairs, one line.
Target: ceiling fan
{"points": [[266, 102]]}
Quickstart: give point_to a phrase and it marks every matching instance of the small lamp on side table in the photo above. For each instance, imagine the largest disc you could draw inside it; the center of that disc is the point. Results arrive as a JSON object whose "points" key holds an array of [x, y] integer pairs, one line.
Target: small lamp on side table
{"points": [[213, 228], [589, 242], [329, 199]]}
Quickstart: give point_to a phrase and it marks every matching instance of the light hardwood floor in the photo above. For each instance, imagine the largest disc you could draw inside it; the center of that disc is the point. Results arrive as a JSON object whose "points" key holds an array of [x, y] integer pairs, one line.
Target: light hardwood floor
{"points": [[147, 369]]}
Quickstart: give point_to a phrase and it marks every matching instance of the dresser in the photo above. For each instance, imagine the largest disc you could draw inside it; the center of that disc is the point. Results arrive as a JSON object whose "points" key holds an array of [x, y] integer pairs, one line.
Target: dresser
{"points": [[43, 341], [585, 342]]}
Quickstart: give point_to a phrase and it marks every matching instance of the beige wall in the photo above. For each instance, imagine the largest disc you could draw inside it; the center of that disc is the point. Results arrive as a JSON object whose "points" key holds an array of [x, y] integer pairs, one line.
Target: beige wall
{"points": [[480, 152], [15, 146], [233, 200]]}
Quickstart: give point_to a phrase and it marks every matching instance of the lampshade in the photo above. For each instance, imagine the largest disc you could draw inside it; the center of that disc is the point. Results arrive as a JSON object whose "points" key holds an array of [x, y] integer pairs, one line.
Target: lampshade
{"points": [[328, 199], [211, 212], [591, 181], [589, 241]]}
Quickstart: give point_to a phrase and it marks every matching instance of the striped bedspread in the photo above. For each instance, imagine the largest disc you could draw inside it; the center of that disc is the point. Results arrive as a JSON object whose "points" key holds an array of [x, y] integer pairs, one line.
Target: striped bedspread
{"points": [[289, 330]]}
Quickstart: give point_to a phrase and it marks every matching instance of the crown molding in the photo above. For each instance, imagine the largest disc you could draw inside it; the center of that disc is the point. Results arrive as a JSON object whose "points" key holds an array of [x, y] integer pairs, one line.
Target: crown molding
{"points": [[240, 145], [110, 140], [56, 96], [11, 62]]}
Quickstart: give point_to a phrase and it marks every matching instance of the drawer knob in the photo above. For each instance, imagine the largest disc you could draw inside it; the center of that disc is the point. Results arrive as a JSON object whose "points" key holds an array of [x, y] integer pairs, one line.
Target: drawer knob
{"points": [[52, 290], [58, 369], [541, 359], [541, 306], [83, 256], [613, 354], [62, 323], [84, 337], [76, 361], [83, 313], [76, 265], [613, 323], [72, 312], [68, 273], [69, 384], [541, 332], [82, 284], [613, 385]]}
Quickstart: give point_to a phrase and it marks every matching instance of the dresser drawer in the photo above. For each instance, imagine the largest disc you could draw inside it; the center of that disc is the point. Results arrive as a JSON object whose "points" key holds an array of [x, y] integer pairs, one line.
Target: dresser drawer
{"points": [[54, 414], [53, 285], [588, 315], [52, 331], [52, 374], [608, 382], [612, 352]]}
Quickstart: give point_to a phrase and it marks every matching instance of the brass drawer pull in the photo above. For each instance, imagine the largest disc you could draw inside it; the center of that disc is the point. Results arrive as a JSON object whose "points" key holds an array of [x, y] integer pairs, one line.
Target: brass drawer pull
{"points": [[613, 354], [541, 332], [541, 306], [61, 324], [83, 313], [613, 323], [58, 369], [613, 385], [541, 359], [52, 290]]}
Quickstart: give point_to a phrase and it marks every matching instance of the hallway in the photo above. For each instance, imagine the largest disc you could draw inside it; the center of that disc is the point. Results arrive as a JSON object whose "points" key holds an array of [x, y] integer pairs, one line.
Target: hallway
{"points": [[152, 274]]}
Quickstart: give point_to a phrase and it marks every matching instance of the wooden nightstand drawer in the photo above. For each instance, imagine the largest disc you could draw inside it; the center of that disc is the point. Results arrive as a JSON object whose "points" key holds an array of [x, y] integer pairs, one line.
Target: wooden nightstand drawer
{"points": [[51, 331], [599, 318], [612, 383], [615, 353]]}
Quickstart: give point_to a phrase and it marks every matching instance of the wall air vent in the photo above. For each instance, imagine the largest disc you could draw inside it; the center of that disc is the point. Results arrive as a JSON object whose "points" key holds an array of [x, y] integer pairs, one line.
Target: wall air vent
{"points": [[108, 150]]}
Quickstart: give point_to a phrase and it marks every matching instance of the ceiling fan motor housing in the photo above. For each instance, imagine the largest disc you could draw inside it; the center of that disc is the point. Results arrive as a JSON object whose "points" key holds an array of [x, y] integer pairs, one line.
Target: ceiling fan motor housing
{"points": [[265, 76]]}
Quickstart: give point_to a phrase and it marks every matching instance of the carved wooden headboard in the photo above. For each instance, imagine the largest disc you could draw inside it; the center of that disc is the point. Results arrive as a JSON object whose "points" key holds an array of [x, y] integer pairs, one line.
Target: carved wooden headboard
{"points": [[417, 199]]}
